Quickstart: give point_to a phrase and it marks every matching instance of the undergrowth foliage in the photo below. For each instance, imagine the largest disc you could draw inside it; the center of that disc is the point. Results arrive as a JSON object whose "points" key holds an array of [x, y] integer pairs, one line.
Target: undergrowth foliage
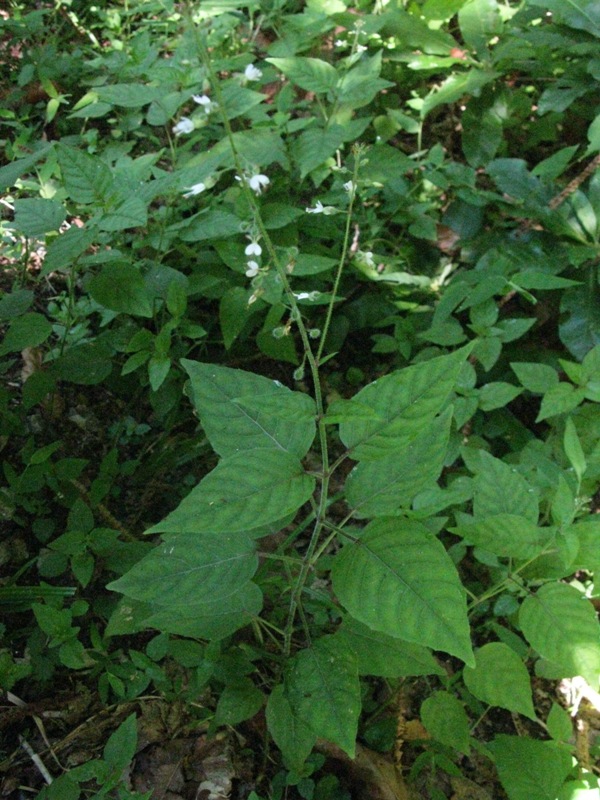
{"points": [[301, 301]]}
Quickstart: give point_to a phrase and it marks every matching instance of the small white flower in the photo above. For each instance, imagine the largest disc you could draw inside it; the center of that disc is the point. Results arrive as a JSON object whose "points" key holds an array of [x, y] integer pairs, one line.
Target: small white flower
{"points": [[307, 295], [340, 43], [321, 209], [252, 73], [252, 270], [350, 187], [204, 100], [197, 188], [257, 182], [253, 249], [185, 125]]}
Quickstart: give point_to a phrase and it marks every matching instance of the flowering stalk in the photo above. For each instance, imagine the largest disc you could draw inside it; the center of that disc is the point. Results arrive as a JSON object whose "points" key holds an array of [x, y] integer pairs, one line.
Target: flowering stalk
{"points": [[309, 556]]}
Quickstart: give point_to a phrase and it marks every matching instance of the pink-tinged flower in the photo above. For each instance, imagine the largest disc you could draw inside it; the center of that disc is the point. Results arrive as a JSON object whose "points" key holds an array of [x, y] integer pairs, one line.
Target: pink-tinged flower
{"points": [[252, 73], [185, 125], [197, 188]]}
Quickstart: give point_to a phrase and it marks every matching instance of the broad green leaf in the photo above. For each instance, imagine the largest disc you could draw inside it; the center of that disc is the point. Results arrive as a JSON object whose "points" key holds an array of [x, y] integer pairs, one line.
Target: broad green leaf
{"points": [[456, 86], [243, 411], [278, 215], [245, 490], [574, 450], [497, 395], [10, 173], [537, 378], [131, 213], [588, 535], [28, 330], [238, 701], [292, 735], [559, 723], [406, 403], [316, 145], [87, 178], [579, 324], [237, 99], [580, 14], [323, 691], [120, 748], [506, 535], [121, 288], [35, 216], [500, 678], [14, 304], [87, 364], [129, 95], [64, 251], [399, 580], [560, 623], [479, 21], [376, 488], [529, 769], [445, 719], [361, 84], [386, 656], [311, 74], [308, 264], [190, 567], [214, 619], [210, 224], [560, 399], [501, 489], [414, 32]]}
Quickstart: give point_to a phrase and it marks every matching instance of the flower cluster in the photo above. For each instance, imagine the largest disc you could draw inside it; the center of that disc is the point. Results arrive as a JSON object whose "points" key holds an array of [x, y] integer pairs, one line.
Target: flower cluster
{"points": [[253, 249], [187, 125]]}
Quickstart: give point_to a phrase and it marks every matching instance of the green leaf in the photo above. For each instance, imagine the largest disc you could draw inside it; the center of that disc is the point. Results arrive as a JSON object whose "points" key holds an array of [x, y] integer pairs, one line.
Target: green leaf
{"points": [[131, 213], [588, 535], [560, 399], [506, 535], [234, 313], [16, 303], [376, 488], [28, 330], [446, 721], [361, 84], [120, 748], [385, 656], [121, 288], [579, 325], [323, 691], [315, 146], [560, 623], [456, 86], [500, 678], [10, 173], [35, 216], [497, 394], [501, 489], [559, 723], [291, 734], [237, 99], [64, 251], [87, 364], [87, 179], [398, 579], [210, 224], [239, 701], [213, 620], [311, 74], [190, 567], [537, 378], [574, 450], [243, 411], [529, 769], [129, 95], [479, 21], [246, 490], [580, 14], [405, 403]]}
